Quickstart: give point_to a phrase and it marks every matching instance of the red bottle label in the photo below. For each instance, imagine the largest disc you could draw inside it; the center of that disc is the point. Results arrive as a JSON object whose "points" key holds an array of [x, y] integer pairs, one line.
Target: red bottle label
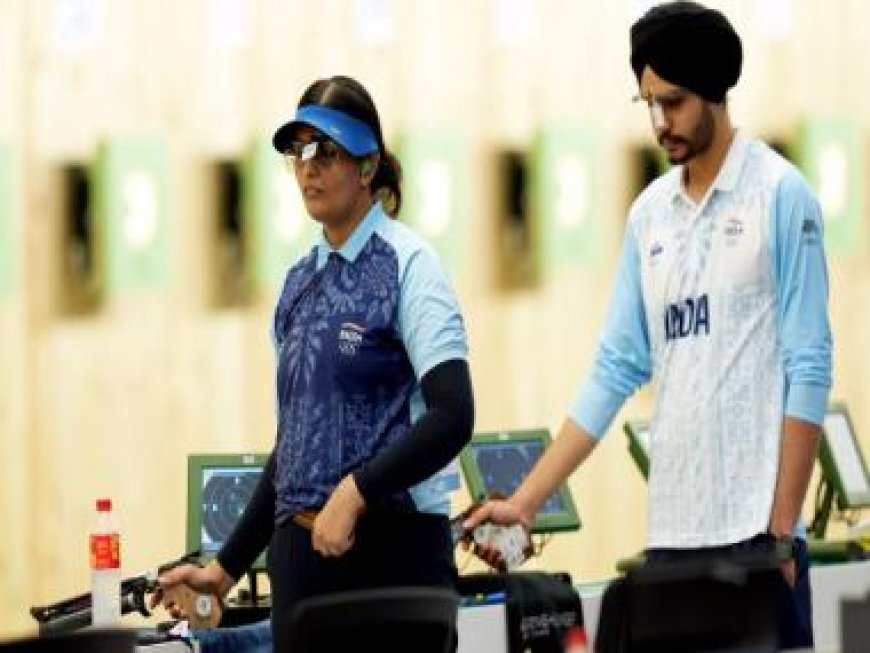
{"points": [[105, 551]]}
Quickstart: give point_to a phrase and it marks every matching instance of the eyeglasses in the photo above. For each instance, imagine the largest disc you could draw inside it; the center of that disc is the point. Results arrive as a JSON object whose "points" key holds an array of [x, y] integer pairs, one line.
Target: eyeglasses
{"points": [[659, 104], [667, 101], [322, 151]]}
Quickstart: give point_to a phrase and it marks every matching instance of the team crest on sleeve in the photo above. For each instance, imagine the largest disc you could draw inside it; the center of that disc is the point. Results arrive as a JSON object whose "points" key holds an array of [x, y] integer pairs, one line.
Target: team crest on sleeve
{"points": [[810, 232]]}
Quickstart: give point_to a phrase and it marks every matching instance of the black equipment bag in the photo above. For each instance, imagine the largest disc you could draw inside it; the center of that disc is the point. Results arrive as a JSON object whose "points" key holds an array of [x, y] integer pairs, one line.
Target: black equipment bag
{"points": [[540, 607]]}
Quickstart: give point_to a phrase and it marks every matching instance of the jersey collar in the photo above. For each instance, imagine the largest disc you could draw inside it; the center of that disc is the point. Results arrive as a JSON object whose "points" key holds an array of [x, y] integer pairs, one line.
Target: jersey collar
{"points": [[728, 176], [357, 240], [729, 173]]}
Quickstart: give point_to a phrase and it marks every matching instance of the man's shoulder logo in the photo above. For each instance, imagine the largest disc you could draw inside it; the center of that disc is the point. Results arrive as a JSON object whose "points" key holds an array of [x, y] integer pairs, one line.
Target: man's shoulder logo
{"points": [[810, 231]]}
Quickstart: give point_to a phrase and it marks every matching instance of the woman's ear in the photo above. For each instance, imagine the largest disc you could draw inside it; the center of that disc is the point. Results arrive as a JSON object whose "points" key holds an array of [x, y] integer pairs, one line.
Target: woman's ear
{"points": [[367, 168]]}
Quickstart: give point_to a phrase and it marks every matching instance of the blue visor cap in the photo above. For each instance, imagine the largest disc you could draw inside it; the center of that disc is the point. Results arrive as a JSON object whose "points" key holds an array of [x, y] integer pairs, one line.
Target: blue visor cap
{"points": [[353, 135]]}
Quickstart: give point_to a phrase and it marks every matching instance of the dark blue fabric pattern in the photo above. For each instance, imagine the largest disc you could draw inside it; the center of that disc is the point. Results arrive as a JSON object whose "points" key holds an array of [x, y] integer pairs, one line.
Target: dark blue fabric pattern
{"points": [[344, 378]]}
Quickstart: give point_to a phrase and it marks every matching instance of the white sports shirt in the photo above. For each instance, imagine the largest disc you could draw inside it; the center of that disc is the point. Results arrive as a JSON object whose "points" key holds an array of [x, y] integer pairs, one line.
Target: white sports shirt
{"points": [[723, 305]]}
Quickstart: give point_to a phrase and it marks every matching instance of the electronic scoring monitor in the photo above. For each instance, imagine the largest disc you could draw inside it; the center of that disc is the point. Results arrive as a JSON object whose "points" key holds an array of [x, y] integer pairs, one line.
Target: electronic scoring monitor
{"points": [[219, 487], [499, 461], [638, 444], [842, 462]]}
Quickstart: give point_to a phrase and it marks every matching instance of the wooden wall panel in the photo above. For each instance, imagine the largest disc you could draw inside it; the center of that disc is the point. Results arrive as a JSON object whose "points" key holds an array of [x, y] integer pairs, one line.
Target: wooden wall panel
{"points": [[15, 377], [112, 402], [16, 506]]}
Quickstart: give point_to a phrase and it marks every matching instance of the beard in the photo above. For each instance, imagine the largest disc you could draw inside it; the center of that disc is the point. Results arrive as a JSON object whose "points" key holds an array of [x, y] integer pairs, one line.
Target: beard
{"points": [[690, 146]]}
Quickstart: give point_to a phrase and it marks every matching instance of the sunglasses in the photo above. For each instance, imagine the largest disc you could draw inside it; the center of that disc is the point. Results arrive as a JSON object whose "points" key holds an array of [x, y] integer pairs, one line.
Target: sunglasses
{"points": [[321, 150]]}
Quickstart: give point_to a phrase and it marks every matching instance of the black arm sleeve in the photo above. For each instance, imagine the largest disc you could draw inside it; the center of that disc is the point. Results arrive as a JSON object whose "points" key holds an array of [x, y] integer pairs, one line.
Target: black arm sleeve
{"points": [[255, 527], [434, 440]]}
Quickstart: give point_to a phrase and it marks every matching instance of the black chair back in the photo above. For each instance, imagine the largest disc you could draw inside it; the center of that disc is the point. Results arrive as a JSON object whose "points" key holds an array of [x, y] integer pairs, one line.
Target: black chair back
{"points": [[86, 641], [692, 607], [389, 620], [855, 625]]}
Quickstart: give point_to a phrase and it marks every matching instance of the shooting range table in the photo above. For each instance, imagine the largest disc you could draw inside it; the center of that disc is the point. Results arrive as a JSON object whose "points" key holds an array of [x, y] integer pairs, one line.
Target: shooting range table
{"points": [[482, 628], [168, 647], [831, 584]]}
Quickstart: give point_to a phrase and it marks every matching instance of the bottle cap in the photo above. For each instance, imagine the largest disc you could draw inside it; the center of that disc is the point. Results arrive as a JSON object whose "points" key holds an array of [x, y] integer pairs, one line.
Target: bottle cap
{"points": [[576, 636], [104, 505]]}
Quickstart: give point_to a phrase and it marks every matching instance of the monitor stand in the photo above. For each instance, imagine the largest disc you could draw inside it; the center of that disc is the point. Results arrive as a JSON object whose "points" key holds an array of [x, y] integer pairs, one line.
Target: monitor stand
{"points": [[248, 606]]}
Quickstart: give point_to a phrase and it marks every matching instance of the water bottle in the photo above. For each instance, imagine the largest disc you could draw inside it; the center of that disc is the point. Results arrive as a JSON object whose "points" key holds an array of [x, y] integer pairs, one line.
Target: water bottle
{"points": [[105, 568]]}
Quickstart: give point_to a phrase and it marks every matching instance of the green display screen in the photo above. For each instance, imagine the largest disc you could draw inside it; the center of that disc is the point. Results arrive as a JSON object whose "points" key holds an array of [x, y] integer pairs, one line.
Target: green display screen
{"points": [[132, 231], [842, 462], [638, 444], [277, 229], [566, 198], [219, 487], [498, 462], [432, 192], [829, 151]]}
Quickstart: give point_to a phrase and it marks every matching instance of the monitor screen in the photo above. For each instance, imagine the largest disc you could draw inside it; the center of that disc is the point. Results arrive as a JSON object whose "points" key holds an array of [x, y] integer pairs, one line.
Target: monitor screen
{"points": [[498, 462], [842, 461], [638, 444], [219, 488]]}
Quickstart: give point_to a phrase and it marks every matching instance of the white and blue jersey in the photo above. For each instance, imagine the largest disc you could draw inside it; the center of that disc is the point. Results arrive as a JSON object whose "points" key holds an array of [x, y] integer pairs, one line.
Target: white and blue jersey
{"points": [[355, 331], [723, 304]]}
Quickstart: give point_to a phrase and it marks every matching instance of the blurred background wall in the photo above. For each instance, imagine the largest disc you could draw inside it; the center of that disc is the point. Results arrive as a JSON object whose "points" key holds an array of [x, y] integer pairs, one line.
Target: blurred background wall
{"points": [[144, 226]]}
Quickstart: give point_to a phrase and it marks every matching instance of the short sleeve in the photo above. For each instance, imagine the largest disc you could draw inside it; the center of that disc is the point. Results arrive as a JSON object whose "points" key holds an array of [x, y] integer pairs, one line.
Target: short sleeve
{"points": [[430, 321]]}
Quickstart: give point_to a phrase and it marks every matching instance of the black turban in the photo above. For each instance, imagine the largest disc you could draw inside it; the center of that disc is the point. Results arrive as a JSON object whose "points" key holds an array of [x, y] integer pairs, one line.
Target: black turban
{"points": [[689, 45]]}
